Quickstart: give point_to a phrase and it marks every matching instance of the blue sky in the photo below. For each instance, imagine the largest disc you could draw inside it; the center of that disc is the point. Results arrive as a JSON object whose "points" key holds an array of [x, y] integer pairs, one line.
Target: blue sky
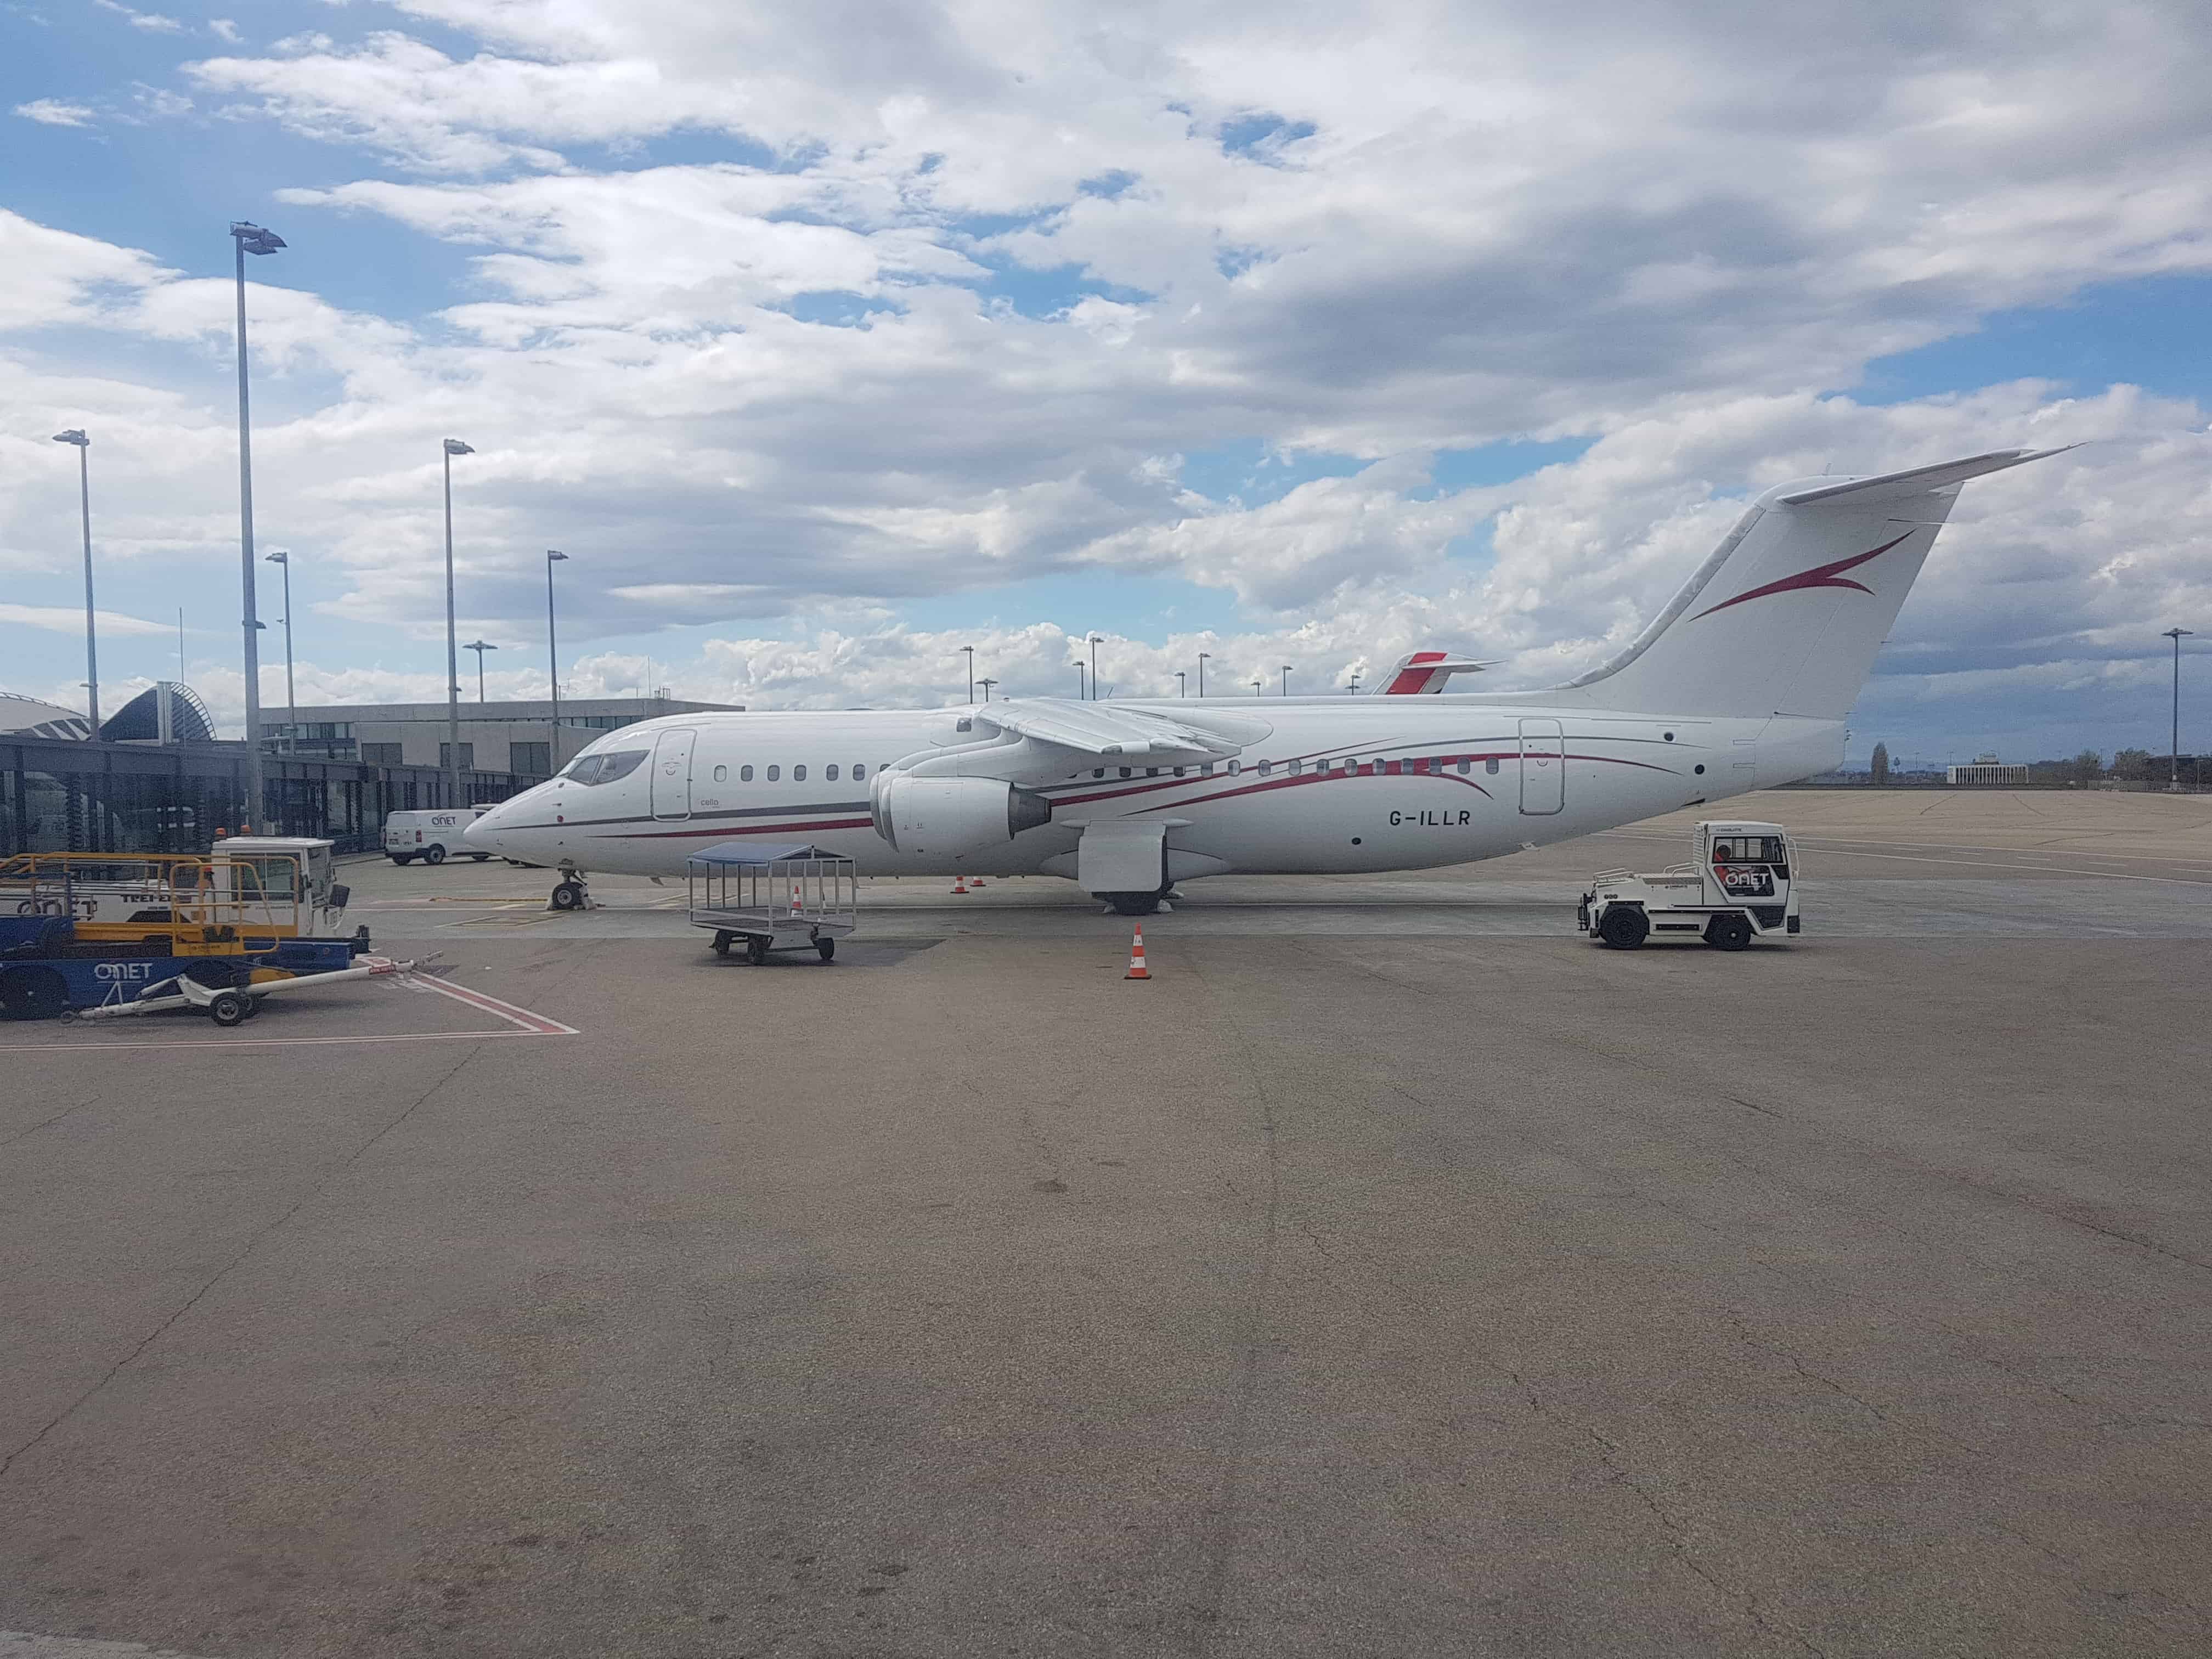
{"points": [[826, 350]]}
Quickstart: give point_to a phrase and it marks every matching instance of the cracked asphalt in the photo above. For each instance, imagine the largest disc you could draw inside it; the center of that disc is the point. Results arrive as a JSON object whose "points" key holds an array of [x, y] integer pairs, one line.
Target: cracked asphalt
{"points": [[1420, 1295]]}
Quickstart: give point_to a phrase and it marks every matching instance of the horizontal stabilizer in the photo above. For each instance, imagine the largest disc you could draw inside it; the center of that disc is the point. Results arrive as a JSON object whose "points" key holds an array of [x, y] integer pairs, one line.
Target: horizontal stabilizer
{"points": [[1916, 481]]}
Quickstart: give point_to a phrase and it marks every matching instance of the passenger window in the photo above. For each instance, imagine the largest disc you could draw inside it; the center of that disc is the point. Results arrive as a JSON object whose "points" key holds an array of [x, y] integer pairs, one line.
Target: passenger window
{"points": [[1462, 768], [1207, 770], [1490, 766], [1292, 766], [1125, 771], [799, 775], [1151, 771], [722, 774], [830, 772], [860, 771], [1235, 767], [1097, 771], [745, 775], [1178, 771], [1265, 767], [774, 773]]}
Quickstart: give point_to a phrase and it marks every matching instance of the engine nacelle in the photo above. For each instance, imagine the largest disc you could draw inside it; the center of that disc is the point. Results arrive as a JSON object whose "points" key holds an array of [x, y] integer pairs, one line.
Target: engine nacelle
{"points": [[952, 818]]}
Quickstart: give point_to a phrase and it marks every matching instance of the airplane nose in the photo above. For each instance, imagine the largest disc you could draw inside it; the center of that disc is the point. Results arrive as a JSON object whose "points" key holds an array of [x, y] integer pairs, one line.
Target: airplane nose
{"points": [[484, 835]]}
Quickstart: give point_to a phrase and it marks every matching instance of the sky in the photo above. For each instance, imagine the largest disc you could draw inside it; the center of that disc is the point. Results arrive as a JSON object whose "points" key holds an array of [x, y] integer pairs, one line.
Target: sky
{"points": [[826, 340]]}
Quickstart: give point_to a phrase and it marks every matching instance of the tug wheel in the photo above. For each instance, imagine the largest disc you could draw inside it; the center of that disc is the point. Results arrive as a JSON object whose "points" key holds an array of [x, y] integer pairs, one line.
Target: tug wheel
{"points": [[33, 994], [230, 1008], [1624, 927], [1728, 932]]}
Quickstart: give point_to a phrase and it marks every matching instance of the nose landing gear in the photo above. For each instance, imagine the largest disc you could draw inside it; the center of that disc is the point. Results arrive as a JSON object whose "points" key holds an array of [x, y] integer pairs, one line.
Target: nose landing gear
{"points": [[570, 894]]}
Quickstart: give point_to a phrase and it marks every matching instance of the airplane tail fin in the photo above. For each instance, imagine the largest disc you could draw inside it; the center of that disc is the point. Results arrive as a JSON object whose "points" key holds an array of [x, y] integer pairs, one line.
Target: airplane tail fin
{"points": [[1785, 615]]}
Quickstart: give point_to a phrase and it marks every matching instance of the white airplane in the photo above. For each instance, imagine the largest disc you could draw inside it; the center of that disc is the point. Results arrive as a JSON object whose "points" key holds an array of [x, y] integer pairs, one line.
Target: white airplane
{"points": [[1742, 683]]}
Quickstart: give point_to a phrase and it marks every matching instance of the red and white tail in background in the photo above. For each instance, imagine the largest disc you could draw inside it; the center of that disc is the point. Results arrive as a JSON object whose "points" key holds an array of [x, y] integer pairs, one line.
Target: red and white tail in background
{"points": [[1425, 673]]}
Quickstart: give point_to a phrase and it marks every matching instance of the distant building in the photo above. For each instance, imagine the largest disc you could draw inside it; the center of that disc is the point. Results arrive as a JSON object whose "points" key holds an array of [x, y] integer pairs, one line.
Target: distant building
{"points": [[30, 717], [167, 711], [1986, 770], [496, 737]]}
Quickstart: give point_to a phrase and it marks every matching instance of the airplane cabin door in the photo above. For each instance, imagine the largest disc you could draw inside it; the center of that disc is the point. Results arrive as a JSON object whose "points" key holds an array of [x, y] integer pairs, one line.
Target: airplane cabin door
{"points": [[1543, 767], [671, 774]]}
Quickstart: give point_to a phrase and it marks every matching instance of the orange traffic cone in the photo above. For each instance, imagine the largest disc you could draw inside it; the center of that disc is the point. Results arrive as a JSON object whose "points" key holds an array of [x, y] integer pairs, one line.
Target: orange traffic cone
{"points": [[960, 885], [795, 907], [1136, 969]]}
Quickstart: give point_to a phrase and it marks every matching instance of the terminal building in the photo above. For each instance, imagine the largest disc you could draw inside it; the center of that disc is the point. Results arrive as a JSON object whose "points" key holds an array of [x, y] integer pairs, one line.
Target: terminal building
{"points": [[1987, 771], [517, 737]]}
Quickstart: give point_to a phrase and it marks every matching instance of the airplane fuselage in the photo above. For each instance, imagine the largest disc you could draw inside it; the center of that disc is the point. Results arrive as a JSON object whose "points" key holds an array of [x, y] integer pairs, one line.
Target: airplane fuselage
{"points": [[1324, 786]]}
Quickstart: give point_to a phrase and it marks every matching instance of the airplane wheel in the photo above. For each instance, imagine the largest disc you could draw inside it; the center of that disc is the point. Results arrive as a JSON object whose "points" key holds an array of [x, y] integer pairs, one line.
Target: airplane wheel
{"points": [[231, 1008], [1728, 932], [479, 857], [433, 854], [756, 950], [1624, 927], [1134, 904], [569, 896], [828, 948]]}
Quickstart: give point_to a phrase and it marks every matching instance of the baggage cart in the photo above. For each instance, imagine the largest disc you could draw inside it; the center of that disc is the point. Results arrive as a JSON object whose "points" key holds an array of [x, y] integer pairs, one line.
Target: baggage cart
{"points": [[772, 898]]}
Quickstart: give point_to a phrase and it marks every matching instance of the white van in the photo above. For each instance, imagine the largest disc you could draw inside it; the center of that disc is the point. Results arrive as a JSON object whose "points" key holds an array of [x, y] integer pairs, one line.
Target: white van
{"points": [[429, 836]]}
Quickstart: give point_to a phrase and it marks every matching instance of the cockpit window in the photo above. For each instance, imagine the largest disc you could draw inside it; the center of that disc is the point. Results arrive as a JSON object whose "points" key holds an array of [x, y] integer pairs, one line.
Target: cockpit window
{"points": [[605, 768]]}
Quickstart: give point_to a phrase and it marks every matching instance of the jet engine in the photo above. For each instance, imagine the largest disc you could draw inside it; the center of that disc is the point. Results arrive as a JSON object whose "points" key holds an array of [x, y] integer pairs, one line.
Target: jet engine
{"points": [[952, 817]]}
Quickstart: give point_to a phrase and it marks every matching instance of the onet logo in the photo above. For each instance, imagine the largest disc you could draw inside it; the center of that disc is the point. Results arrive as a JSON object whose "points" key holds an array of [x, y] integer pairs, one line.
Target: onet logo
{"points": [[1820, 575]]}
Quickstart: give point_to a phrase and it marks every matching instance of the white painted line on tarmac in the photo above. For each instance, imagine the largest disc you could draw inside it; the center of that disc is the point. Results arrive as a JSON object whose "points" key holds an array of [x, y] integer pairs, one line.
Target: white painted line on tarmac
{"points": [[21, 1644], [537, 1024], [227, 1042]]}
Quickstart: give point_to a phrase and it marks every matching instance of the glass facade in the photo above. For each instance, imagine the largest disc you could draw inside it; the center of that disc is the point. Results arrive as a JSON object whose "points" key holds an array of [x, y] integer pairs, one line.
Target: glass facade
{"points": [[64, 797]]}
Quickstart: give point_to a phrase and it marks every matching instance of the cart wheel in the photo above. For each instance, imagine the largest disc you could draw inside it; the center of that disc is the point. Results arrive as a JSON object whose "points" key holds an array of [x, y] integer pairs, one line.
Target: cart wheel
{"points": [[33, 994], [1624, 927], [433, 854], [828, 947], [757, 949], [569, 896], [230, 1008], [721, 945], [1728, 932]]}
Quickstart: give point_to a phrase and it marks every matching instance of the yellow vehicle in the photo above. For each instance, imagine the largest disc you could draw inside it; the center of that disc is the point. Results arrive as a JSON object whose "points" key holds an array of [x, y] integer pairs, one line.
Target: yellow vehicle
{"points": [[247, 891]]}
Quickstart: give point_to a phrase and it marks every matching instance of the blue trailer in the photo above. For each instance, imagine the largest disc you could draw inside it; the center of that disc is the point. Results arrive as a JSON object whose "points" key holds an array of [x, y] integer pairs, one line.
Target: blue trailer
{"points": [[47, 970]]}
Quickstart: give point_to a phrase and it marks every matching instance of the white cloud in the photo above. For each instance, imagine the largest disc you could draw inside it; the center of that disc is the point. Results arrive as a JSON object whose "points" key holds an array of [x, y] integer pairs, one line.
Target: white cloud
{"points": [[781, 322], [224, 29], [54, 113], [152, 21], [60, 619]]}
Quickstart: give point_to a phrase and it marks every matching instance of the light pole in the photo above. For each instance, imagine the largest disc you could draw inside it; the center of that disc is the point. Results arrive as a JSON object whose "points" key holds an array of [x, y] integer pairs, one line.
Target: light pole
{"points": [[453, 446], [1202, 656], [2177, 634], [1287, 679], [1354, 687], [1080, 694], [552, 658], [1256, 684], [479, 647], [1181, 689], [291, 698], [249, 238], [1095, 640], [971, 650], [986, 683], [74, 435]]}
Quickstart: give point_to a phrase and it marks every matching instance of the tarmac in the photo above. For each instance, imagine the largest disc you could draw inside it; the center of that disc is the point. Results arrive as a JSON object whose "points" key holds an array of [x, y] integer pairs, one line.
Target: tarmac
{"points": [[1394, 1273]]}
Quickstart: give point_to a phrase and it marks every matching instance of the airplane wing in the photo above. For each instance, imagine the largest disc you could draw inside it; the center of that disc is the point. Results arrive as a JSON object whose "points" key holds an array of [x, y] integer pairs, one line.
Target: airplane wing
{"points": [[1102, 728]]}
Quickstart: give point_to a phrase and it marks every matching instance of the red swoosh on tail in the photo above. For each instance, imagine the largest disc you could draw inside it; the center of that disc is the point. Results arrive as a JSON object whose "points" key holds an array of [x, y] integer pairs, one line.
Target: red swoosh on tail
{"points": [[1820, 575]]}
